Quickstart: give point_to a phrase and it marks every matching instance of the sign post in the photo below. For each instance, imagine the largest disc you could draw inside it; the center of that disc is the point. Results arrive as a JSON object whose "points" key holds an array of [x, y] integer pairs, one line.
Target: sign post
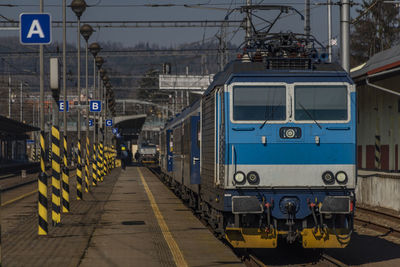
{"points": [[35, 29]]}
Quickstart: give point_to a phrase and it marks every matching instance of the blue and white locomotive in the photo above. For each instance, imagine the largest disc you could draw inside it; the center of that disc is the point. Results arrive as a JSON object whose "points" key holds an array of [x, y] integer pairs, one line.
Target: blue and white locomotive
{"points": [[269, 152]]}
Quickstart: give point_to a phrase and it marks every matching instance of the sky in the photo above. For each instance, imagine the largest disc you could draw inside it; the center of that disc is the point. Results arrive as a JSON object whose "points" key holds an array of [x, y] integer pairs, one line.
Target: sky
{"points": [[119, 10]]}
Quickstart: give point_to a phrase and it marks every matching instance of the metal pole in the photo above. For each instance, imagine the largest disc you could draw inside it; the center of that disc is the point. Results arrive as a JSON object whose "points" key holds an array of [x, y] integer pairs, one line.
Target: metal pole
{"points": [[87, 92], [330, 30], [20, 110], [98, 115], [307, 27], [248, 23], [94, 97], [79, 80], [42, 179], [64, 146], [65, 72], [9, 96], [345, 34], [87, 143], [79, 184], [94, 165]]}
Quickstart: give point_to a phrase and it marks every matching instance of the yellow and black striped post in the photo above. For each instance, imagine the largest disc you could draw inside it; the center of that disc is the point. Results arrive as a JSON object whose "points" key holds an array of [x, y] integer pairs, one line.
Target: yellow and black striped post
{"points": [[65, 179], [87, 162], [42, 186], [99, 172], [109, 159], [55, 180], [101, 161], [79, 195], [104, 161], [94, 166]]}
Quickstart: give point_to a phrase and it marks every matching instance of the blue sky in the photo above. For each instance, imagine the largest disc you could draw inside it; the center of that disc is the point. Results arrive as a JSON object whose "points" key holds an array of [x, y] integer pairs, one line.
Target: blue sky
{"points": [[116, 10]]}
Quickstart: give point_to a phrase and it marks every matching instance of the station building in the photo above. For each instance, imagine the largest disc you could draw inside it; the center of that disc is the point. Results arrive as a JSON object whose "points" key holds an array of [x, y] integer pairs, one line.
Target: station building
{"points": [[378, 114], [13, 141]]}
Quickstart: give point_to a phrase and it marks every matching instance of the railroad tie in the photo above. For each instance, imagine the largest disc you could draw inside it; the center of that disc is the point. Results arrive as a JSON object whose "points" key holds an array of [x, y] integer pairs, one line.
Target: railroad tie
{"points": [[378, 152], [65, 179], [87, 165], [42, 184], [79, 195], [94, 166], [55, 179]]}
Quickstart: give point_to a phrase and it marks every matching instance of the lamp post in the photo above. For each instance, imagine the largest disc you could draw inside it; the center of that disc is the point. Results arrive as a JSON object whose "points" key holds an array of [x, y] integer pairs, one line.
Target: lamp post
{"points": [[79, 6], [94, 49], [99, 63], [105, 79], [106, 110], [65, 169], [86, 31]]}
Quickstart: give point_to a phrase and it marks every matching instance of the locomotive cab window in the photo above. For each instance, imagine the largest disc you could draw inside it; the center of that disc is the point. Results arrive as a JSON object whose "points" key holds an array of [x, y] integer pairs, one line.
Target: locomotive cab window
{"points": [[259, 103], [323, 103]]}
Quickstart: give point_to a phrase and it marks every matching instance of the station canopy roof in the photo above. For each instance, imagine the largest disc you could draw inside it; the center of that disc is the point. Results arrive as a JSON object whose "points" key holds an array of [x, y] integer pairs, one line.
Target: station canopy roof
{"points": [[13, 127], [385, 62]]}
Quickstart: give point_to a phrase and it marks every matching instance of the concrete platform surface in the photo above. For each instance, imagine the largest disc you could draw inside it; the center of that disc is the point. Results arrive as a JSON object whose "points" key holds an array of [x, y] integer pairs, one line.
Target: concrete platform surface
{"points": [[144, 224], [130, 219]]}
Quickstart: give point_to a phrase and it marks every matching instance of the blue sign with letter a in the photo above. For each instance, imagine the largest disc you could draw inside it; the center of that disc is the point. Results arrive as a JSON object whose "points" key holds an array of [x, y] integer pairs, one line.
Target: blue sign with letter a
{"points": [[61, 105], [35, 28], [95, 105]]}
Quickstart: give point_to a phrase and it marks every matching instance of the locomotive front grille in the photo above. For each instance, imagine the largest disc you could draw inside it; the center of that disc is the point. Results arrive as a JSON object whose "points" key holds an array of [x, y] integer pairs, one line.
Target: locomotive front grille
{"points": [[289, 63]]}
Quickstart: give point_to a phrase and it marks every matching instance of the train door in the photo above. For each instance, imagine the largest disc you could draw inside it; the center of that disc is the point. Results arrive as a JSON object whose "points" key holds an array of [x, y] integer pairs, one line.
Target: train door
{"points": [[169, 150], [194, 150]]}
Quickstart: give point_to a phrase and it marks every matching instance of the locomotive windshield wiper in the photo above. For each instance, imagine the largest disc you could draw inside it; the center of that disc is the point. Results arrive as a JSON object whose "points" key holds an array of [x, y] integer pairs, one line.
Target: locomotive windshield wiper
{"points": [[309, 115], [265, 117], [262, 125]]}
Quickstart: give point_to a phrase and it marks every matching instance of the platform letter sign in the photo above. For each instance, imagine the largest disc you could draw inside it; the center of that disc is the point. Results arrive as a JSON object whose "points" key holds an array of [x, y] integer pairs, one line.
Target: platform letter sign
{"points": [[95, 106], [35, 28], [61, 105], [109, 123], [90, 123]]}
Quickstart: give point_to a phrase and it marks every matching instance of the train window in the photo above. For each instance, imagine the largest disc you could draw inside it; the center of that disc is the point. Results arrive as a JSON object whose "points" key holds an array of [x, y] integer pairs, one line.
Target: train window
{"points": [[259, 103], [327, 102]]}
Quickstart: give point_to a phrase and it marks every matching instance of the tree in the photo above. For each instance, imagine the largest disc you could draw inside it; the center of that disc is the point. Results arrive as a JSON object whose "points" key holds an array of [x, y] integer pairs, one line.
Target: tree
{"points": [[376, 29]]}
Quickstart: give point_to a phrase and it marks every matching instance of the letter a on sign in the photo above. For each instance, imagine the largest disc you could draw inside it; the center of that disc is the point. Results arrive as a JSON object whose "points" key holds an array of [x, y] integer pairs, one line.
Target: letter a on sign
{"points": [[35, 29]]}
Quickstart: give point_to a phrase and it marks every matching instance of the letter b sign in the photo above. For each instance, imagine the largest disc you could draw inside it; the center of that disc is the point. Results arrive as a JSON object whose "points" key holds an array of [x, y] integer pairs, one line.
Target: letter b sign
{"points": [[95, 106]]}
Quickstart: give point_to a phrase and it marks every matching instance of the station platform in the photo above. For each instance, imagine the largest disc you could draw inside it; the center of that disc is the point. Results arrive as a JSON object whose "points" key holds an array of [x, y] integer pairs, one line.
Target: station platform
{"points": [[131, 219]]}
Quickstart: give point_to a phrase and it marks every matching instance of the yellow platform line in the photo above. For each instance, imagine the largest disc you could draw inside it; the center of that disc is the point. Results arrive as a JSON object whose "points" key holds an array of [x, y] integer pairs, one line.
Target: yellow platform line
{"points": [[19, 198], [173, 246]]}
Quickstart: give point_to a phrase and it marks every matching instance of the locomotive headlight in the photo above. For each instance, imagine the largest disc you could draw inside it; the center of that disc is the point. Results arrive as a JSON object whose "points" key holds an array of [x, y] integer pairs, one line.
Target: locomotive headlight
{"points": [[341, 177], [253, 178], [328, 177], [290, 133], [239, 177]]}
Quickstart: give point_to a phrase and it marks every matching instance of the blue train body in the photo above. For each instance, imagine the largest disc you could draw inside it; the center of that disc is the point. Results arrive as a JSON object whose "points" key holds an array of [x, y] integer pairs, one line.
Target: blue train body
{"points": [[268, 154]]}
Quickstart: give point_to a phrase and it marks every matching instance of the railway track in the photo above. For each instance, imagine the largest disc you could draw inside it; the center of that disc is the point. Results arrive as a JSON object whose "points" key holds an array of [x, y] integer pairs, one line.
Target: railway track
{"points": [[376, 221]]}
